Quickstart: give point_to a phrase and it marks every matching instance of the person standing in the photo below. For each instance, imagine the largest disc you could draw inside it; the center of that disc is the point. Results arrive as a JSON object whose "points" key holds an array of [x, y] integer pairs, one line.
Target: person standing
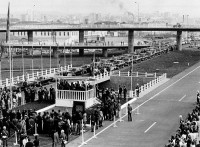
{"points": [[124, 92], [63, 138], [52, 94], [55, 139], [198, 97], [4, 135], [137, 90], [129, 112], [120, 91]]}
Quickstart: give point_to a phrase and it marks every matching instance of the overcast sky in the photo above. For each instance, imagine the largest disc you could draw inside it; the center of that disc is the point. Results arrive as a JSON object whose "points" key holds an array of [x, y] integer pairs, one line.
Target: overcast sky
{"points": [[186, 7]]}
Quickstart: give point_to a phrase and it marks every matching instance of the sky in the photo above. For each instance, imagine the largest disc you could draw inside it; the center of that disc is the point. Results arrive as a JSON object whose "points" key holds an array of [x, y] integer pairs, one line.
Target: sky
{"points": [[183, 7]]}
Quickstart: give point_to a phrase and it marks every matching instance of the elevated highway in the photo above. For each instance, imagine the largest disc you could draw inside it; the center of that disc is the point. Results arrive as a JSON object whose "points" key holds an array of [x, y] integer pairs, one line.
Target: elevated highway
{"points": [[81, 30]]}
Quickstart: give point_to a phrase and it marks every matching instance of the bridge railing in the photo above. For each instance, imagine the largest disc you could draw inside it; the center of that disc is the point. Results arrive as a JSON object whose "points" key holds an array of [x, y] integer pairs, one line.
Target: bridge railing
{"points": [[75, 95], [32, 76]]}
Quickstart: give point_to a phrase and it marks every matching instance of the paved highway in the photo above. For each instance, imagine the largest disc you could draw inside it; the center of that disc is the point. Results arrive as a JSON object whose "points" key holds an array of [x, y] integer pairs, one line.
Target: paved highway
{"points": [[158, 118]]}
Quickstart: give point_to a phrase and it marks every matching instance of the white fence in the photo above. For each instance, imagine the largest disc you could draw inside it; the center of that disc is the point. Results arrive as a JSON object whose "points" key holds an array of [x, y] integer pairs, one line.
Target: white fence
{"points": [[149, 85], [135, 74], [143, 89], [34, 75]]}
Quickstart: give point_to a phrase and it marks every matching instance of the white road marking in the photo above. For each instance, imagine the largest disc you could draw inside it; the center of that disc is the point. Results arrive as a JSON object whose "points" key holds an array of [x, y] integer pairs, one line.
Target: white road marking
{"points": [[149, 127], [143, 103], [182, 98]]}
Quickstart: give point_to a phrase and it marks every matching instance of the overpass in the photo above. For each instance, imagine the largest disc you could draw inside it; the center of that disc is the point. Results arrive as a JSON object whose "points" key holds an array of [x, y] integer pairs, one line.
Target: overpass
{"points": [[80, 46], [81, 30]]}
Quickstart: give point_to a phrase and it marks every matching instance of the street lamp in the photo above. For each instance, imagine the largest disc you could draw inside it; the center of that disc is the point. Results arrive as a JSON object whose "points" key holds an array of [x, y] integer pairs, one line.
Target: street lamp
{"points": [[41, 60]]}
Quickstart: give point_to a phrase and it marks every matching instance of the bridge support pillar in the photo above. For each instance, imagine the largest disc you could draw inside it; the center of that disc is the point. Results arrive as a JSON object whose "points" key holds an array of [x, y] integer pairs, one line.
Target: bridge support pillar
{"points": [[81, 41], [30, 36], [55, 53], [179, 40], [130, 41], [105, 52]]}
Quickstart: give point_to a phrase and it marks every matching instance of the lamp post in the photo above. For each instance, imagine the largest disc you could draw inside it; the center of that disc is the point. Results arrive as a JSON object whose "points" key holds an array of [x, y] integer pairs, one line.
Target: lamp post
{"points": [[41, 59], [32, 61], [23, 60], [187, 31], [64, 56]]}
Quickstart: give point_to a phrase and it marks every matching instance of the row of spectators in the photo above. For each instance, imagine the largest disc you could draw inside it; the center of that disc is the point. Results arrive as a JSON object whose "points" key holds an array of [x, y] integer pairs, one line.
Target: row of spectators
{"points": [[65, 85], [32, 94], [188, 131]]}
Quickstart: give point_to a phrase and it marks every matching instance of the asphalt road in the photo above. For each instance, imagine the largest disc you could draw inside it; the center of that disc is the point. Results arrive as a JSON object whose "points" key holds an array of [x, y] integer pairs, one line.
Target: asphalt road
{"points": [[159, 115]]}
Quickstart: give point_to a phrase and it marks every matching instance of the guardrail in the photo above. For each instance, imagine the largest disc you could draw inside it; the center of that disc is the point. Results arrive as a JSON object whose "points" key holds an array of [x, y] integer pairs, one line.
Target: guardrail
{"points": [[34, 75], [75, 95]]}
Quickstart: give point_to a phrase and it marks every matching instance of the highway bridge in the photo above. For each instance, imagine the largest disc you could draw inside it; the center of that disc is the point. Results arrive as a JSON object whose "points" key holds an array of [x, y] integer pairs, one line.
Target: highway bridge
{"points": [[81, 31], [76, 46]]}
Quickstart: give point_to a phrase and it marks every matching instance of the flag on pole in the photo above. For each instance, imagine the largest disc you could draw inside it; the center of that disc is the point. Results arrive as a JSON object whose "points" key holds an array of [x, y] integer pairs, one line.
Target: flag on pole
{"points": [[8, 25]]}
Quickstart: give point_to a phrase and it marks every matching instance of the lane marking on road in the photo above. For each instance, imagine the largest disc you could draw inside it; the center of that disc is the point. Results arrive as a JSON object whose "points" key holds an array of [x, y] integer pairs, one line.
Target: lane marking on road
{"points": [[142, 104], [182, 98], [149, 127]]}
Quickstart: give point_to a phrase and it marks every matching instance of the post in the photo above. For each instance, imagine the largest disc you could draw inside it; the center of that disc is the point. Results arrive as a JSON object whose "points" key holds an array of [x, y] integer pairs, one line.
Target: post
{"points": [[105, 52], [16, 142], [94, 135], [179, 40], [130, 41], [114, 123], [83, 142], [50, 58], [120, 115], [35, 129], [81, 40]]}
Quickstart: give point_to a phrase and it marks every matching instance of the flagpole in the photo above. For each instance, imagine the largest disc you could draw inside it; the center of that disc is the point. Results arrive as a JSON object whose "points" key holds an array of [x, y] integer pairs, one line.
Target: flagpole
{"points": [[71, 55], [132, 74], [8, 41], [57, 58], [10, 76], [32, 61], [23, 61], [41, 60], [64, 57], [50, 57], [12, 62]]}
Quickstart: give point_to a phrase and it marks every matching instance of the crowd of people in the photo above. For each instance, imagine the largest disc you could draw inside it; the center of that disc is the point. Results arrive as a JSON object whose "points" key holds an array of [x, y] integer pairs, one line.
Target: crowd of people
{"points": [[79, 86], [188, 131]]}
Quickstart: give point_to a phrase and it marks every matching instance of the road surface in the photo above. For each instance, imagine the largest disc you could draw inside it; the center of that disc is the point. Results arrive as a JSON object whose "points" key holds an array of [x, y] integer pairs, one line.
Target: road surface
{"points": [[159, 115]]}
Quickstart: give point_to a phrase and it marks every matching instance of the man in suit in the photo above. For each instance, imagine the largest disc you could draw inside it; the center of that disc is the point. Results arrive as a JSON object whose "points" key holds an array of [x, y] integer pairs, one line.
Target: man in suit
{"points": [[4, 135], [129, 112], [55, 139]]}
